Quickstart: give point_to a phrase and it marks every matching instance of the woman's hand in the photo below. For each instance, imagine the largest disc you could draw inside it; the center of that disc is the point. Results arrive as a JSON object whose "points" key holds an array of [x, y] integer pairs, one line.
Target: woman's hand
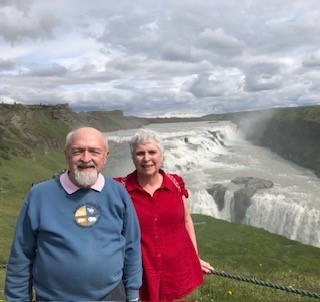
{"points": [[206, 267]]}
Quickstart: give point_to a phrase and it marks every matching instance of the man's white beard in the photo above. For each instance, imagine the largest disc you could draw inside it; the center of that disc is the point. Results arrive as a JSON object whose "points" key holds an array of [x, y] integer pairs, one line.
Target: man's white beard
{"points": [[86, 179]]}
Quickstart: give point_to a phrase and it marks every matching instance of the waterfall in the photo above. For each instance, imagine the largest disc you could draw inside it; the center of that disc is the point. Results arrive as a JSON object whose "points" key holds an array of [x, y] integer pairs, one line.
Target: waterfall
{"points": [[275, 213], [227, 212], [287, 218]]}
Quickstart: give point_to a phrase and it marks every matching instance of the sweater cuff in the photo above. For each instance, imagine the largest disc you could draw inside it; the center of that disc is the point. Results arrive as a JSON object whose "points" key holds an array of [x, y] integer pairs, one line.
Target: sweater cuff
{"points": [[132, 294]]}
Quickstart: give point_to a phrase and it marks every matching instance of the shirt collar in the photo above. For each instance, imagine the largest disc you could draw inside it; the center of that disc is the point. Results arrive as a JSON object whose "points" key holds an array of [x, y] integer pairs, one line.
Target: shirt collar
{"points": [[132, 181], [70, 187]]}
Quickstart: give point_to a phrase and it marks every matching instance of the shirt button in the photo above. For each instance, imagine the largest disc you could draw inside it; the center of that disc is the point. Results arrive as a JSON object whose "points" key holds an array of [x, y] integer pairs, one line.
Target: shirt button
{"points": [[158, 255], [155, 219]]}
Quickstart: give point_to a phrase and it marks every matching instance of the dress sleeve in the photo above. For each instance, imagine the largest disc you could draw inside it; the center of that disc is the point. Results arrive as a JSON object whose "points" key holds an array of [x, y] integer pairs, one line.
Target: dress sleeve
{"points": [[180, 184], [122, 180]]}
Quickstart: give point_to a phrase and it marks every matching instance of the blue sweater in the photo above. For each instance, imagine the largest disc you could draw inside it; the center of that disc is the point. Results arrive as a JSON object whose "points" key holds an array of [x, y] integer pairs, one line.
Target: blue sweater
{"points": [[75, 247]]}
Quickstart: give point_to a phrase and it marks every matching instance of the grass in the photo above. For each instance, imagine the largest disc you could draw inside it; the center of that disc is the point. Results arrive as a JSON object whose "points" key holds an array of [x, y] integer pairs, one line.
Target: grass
{"points": [[231, 248], [16, 177]]}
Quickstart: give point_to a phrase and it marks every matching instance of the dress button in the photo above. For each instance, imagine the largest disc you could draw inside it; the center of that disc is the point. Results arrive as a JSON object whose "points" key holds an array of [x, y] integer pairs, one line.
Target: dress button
{"points": [[158, 255]]}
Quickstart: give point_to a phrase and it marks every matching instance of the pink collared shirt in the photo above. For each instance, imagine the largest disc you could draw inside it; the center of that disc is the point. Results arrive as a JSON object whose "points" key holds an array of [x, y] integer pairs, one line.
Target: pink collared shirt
{"points": [[70, 187]]}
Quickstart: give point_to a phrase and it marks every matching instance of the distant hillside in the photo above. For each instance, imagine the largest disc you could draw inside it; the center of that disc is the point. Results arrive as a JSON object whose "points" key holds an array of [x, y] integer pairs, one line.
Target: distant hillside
{"points": [[26, 128]]}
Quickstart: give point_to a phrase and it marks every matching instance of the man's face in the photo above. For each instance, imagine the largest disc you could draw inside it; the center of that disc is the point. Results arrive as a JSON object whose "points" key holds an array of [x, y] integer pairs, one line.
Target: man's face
{"points": [[86, 155]]}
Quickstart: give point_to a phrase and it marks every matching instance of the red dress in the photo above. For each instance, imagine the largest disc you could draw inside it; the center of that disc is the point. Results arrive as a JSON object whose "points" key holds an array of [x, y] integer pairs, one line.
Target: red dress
{"points": [[171, 267]]}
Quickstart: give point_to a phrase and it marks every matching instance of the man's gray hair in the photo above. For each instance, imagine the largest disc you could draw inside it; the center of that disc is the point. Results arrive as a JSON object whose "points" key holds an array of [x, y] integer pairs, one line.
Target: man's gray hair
{"points": [[70, 134]]}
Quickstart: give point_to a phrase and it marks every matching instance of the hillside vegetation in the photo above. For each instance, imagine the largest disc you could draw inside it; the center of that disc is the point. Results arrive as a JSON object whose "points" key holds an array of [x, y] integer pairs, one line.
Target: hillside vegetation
{"points": [[297, 136], [26, 128]]}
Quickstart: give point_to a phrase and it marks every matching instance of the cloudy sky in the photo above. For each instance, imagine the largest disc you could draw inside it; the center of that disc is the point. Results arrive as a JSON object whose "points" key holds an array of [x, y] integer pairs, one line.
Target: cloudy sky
{"points": [[160, 57]]}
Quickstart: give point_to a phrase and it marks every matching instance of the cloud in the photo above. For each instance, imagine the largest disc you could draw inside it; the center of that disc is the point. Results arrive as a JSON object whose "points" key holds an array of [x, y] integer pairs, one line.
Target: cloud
{"points": [[18, 23], [160, 58]]}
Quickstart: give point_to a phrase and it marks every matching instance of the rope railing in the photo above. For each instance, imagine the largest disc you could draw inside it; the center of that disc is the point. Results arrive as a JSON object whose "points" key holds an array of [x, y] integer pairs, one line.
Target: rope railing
{"points": [[255, 281], [268, 284]]}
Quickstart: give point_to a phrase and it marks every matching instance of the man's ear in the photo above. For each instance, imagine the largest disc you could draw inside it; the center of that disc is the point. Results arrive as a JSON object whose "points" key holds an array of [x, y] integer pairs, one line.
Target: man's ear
{"points": [[106, 157]]}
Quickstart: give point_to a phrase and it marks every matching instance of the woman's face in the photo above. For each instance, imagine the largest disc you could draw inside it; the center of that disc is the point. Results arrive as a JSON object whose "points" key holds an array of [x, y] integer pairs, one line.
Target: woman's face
{"points": [[147, 158]]}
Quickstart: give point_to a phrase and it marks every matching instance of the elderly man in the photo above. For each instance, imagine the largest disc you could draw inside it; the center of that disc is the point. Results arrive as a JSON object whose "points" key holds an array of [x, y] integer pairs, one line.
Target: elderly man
{"points": [[77, 237]]}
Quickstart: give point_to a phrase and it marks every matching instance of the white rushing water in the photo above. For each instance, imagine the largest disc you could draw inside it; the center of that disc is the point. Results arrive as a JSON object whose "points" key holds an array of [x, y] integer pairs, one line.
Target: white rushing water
{"points": [[208, 153]]}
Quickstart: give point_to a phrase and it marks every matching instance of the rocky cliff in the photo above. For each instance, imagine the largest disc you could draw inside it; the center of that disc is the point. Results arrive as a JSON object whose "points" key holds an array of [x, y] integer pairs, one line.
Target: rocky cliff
{"points": [[292, 133], [241, 197]]}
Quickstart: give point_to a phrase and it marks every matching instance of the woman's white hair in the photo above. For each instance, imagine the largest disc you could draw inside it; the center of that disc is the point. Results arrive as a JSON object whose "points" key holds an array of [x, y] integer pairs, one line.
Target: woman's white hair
{"points": [[143, 136]]}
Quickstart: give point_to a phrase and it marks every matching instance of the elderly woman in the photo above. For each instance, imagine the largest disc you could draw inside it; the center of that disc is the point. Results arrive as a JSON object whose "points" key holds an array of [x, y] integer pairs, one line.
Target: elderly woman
{"points": [[171, 266]]}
